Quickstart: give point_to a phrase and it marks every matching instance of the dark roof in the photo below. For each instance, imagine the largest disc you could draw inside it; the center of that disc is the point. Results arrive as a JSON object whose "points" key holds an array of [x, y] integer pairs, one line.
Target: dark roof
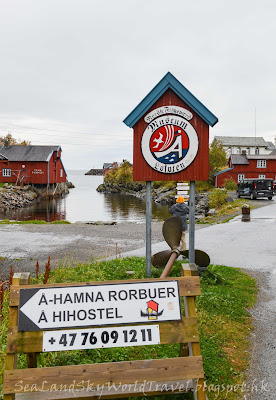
{"points": [[169, 81], [239, 159], [241, 141], [28, 153], [273, 153], [107, 165]]}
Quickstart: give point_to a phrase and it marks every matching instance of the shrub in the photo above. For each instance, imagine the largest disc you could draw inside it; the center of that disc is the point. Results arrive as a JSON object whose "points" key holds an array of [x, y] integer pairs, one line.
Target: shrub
{"points": [[230, 184], [203, 186], [217, 198]]}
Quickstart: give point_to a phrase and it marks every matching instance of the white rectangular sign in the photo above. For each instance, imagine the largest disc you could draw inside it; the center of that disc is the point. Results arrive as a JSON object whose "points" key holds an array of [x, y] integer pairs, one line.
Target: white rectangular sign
{"points": [[98, 305], [97, 338]]}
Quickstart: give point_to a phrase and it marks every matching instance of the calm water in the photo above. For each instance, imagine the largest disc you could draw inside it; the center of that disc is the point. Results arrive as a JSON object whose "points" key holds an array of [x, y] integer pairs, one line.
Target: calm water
{"points": [[84, 203]]}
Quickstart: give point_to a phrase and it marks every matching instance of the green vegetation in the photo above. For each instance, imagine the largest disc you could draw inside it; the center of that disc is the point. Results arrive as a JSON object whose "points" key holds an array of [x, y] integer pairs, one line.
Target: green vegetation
{"points": [[224, 322], [217, 157], [217, 198], [32, 221], [230, 184]]}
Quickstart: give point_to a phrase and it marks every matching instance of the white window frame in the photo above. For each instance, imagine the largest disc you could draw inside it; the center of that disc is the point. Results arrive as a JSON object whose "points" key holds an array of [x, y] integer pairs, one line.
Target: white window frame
{"points": [[261, 163], [61, 173], [6, 172], [240, 177], [261, 176], [257, 151]]}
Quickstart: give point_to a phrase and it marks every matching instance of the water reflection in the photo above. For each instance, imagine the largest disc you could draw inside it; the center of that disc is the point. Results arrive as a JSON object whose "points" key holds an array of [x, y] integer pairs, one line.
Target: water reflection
{"points": [[84, 203], [51, 210], [126, 207]]}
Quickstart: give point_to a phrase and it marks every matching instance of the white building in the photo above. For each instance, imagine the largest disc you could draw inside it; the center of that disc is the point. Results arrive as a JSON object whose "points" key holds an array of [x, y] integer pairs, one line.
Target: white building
{"points": [[245, 145]]}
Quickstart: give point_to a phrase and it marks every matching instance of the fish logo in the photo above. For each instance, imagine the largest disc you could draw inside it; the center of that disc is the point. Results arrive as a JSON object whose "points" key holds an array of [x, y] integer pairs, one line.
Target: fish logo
{"points": [[169, 144], [152, 310]]}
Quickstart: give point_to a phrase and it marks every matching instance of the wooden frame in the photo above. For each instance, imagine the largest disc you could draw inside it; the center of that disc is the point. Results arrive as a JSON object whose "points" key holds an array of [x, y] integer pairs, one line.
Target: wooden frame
{"points": [[107, 380]]}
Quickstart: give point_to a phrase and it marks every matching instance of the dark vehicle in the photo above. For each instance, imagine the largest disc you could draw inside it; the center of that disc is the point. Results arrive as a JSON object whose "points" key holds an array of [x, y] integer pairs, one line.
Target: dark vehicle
{"points": [[255, 188]]}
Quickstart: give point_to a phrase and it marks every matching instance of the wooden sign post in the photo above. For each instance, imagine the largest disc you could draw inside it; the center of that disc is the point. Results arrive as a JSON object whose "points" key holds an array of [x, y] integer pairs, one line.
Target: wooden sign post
{"points": [[171, 141], [95, 315]]}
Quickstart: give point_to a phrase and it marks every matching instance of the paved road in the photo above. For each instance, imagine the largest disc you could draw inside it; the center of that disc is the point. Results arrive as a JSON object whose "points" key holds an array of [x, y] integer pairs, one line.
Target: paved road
{"points": [[252, 246]]}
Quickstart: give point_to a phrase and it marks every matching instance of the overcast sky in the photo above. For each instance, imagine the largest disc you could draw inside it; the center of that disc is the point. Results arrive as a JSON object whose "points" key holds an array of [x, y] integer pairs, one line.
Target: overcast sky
{"points": [[72, 70]]}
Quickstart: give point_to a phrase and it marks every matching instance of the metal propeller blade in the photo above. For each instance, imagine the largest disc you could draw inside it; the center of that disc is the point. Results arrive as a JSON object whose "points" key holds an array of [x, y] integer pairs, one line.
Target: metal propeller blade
{"points": [[201, 258], [160, 259], [172, 231]]}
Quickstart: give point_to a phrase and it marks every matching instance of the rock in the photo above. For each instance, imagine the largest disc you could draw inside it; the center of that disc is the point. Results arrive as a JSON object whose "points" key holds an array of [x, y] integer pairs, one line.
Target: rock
{"points": [[99, 222], [6, 185], [229, 199], [199, 217], [212, 212]]}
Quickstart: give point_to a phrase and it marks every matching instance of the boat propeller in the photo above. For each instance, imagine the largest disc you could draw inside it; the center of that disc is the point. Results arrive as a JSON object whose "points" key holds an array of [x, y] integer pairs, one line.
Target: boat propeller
{"points": [[172, 232]]}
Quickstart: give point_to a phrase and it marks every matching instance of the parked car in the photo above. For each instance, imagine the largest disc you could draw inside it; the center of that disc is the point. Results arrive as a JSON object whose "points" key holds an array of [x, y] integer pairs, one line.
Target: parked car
{"points": [[255, 188]]}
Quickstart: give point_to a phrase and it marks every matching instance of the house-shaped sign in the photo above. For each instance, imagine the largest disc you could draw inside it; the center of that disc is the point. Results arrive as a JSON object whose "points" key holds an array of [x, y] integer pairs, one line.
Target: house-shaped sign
{"points": [[171, 134]]}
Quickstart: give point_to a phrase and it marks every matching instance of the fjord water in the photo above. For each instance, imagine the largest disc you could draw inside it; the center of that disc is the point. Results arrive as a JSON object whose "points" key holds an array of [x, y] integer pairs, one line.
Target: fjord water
{"points": [[84, 203]]}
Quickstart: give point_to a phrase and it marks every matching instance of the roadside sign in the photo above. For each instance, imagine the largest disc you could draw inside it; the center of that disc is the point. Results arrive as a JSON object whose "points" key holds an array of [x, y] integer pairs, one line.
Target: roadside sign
{"points": [[171, 134], [97, 338], [93, 305]]}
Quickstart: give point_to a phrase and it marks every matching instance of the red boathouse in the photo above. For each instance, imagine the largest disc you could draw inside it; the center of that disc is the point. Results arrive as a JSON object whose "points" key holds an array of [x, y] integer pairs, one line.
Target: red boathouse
{"points": [[244, 166], [37, 165]]}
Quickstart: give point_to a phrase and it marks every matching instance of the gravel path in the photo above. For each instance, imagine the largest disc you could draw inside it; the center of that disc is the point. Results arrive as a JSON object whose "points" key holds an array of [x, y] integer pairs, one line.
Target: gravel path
{"points": [[23, 245]]}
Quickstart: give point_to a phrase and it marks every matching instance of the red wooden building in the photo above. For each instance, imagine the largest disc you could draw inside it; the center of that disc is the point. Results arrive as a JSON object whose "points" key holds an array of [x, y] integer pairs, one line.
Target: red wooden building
{"points": [[39, 165], [242, 166]]}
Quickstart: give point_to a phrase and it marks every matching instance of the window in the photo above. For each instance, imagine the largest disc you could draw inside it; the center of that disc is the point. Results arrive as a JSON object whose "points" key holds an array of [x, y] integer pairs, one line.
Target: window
{"points": [[240, 177], [248, 150], [61, 172], [6, 172], [261, 176], [257, 151], [238, 150], [261, 163]]}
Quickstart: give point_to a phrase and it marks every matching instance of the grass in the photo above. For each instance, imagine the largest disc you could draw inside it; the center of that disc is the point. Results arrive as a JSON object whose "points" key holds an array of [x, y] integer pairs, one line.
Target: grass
{"points": [[32, 221], [224, 322], [231, 209]]}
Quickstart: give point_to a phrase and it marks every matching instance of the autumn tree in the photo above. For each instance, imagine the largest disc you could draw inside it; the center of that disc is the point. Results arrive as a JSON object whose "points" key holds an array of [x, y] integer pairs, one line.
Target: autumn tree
{"points": [[217, 158], [13, 141]]}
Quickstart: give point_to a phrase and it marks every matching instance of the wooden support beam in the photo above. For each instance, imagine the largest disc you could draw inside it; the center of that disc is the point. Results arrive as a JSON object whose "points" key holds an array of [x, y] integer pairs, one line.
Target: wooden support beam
{"points": [[117, 373], [170, 332], [188, 270]]}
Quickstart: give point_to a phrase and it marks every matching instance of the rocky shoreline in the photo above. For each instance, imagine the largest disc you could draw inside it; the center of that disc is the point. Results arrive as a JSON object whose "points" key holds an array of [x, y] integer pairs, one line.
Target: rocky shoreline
{"points": [[14, 197], [162, 195]]}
